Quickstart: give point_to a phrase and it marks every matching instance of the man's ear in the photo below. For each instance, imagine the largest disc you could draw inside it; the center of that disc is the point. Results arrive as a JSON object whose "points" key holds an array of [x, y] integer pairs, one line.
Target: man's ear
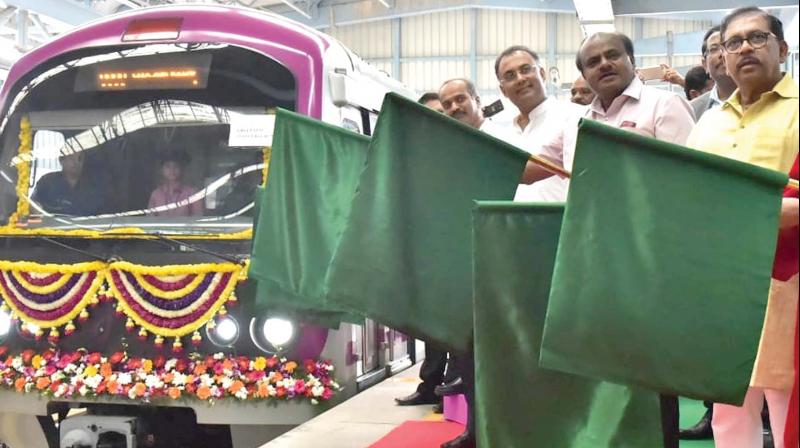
{"points": [[783, 51], [542, 73], [503, 91]]}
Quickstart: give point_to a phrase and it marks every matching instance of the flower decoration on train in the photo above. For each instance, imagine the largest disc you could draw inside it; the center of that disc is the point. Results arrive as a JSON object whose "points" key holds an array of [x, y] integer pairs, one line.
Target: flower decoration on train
{"points": [[22, 163], [160, 301], [48, 296], [215, 377], [172, 301]]}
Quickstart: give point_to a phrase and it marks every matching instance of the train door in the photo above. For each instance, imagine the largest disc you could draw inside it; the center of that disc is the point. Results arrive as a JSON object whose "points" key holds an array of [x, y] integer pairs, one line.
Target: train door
{"points": [[378, 350]]}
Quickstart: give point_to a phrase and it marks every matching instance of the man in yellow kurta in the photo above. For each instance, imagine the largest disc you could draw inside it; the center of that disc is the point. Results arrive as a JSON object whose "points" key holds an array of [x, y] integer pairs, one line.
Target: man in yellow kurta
{"points": [[758, 124]]}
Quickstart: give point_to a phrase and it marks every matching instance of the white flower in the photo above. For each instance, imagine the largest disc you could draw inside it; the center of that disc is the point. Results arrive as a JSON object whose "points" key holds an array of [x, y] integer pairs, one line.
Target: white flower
{"points": [[153, 382], [219, 356], [226, 383], [271, 390], [124, 378], [170, 364], [317, 391], [62, 389], [93, 381], [313, 401], [216, 391], [70, 368], [241, 394], [132, 393], [206, 380], [179, 379], [83, 390], [16, 363]]}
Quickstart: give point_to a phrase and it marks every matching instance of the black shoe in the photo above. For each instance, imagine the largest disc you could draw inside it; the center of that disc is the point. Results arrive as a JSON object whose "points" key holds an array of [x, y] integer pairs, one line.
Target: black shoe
{"points": [[702, 430], [465, 440], [438, 408], [454, 387], [417, 398]]}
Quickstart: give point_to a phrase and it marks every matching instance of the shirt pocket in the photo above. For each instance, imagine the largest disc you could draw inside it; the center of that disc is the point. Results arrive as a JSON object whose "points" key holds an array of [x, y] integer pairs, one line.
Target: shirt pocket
{"points": [[768, 144]]}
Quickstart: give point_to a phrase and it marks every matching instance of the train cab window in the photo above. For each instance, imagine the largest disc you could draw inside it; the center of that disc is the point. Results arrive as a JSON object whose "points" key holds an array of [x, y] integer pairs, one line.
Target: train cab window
{"points": [[166, 142]]}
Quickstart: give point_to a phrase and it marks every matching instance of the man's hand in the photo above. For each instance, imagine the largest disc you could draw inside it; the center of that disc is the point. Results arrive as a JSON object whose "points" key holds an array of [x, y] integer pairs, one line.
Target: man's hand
{"points": [[789, 213], [672, 76]]}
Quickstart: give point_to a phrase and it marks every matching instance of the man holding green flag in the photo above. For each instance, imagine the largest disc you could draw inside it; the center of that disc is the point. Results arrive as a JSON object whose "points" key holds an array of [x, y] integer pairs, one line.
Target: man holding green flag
{"points": [[405, 258]]}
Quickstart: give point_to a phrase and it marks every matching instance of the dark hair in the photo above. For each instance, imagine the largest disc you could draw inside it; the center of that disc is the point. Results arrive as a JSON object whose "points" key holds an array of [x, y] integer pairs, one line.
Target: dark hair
{"points": [[473, 92], [508, 52], [428, 97], [695, 79], [775, 24], [178, 156], [704, 46], [626, 42]]}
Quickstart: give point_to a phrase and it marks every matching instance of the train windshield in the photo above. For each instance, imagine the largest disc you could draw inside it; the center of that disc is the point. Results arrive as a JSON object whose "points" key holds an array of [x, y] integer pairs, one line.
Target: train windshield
{"points": [[160, 138]]}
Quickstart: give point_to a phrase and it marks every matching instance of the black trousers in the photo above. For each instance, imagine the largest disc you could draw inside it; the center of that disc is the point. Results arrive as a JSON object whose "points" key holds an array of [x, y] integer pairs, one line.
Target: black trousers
{"points": [[432, 371], [669, 420]]}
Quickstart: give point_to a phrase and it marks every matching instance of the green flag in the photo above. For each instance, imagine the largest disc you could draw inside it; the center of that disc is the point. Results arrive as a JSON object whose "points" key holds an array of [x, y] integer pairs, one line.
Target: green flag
{"points": [[405, 255], [521, 405], [663, 266], [314, 169]]}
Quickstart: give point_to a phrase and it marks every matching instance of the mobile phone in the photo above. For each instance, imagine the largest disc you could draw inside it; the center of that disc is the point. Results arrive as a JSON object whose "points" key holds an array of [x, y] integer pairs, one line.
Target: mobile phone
{"points": [[650, 73], [493, 109]]}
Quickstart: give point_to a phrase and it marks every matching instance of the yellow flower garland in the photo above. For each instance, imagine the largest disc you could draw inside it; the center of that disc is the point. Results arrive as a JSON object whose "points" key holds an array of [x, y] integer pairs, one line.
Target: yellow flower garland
{"points": [[238, 273], [23, 164]]}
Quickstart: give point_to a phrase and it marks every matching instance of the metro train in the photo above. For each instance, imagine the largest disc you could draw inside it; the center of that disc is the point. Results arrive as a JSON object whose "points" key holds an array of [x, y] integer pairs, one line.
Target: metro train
{"points": [[131, 150]]}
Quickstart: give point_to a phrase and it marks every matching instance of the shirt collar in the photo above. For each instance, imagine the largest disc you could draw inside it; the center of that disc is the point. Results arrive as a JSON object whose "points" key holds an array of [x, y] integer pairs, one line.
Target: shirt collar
{"points": [[785, 88], [713, 98], [634, 90], [538, 111]]}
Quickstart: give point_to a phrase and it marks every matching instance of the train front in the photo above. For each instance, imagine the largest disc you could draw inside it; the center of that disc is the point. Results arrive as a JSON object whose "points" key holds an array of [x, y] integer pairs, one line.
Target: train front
{"points": [[131, 152]]}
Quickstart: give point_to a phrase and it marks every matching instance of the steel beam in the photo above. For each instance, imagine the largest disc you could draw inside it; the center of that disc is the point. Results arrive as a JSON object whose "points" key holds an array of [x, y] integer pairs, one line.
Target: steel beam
{"points": [[65, 11], [640, 7], [369, 10]]}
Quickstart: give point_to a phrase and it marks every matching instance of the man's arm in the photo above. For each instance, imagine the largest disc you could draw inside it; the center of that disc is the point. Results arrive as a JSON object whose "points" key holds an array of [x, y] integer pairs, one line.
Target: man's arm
{"points": [[789, 213]]}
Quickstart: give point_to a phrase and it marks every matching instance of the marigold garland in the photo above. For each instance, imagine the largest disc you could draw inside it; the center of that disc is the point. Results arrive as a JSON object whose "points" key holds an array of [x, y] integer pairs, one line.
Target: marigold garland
{"points": [[81, 374], [23, 165], [166, 301]]}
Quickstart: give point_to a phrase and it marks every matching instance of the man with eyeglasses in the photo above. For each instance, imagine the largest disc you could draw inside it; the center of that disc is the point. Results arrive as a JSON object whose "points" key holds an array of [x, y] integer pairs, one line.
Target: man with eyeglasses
{"points": [[714, 63], [758, 124], [522, 81]]}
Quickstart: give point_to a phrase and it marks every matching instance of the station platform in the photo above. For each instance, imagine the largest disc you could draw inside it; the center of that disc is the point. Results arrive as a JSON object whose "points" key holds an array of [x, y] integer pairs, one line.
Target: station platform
{"points": [[364, 420], [367, 419]]}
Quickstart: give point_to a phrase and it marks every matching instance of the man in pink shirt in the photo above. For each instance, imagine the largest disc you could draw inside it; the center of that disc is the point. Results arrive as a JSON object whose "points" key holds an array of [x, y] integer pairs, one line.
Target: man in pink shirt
{"points": [[606, 61]]}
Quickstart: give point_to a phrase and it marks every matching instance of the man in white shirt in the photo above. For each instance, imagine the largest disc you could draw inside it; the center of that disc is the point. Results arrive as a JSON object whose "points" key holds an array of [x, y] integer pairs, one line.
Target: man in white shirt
{"points": [[521, 79]]}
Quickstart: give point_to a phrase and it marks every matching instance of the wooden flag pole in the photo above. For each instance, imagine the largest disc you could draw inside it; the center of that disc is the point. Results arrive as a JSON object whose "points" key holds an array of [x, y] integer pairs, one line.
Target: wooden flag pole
{"points": [[555, 169], [549, 166]]}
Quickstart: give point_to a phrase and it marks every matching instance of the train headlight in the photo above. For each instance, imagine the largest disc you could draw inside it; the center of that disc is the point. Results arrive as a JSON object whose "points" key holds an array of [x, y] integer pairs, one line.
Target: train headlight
{"points": [[225, 332], [272, 334], [5, 323], [277, 331]]}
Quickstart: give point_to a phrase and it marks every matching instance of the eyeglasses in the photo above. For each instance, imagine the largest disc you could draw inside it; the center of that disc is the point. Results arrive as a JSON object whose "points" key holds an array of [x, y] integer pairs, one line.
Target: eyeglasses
{"points": [[511, 75], [756, 39]]}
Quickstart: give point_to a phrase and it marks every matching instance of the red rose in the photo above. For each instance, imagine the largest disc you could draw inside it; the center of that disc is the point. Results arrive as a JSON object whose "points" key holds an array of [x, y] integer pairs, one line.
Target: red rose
{"points": [[272, 362], [116, 357], [191, 388], [134, 363], [244, 363], [100, 388], [48, 355], [209, 361], [181, 365], [3, 350], [159, 361], [54, 386], [27, 355], [94, 358]]}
